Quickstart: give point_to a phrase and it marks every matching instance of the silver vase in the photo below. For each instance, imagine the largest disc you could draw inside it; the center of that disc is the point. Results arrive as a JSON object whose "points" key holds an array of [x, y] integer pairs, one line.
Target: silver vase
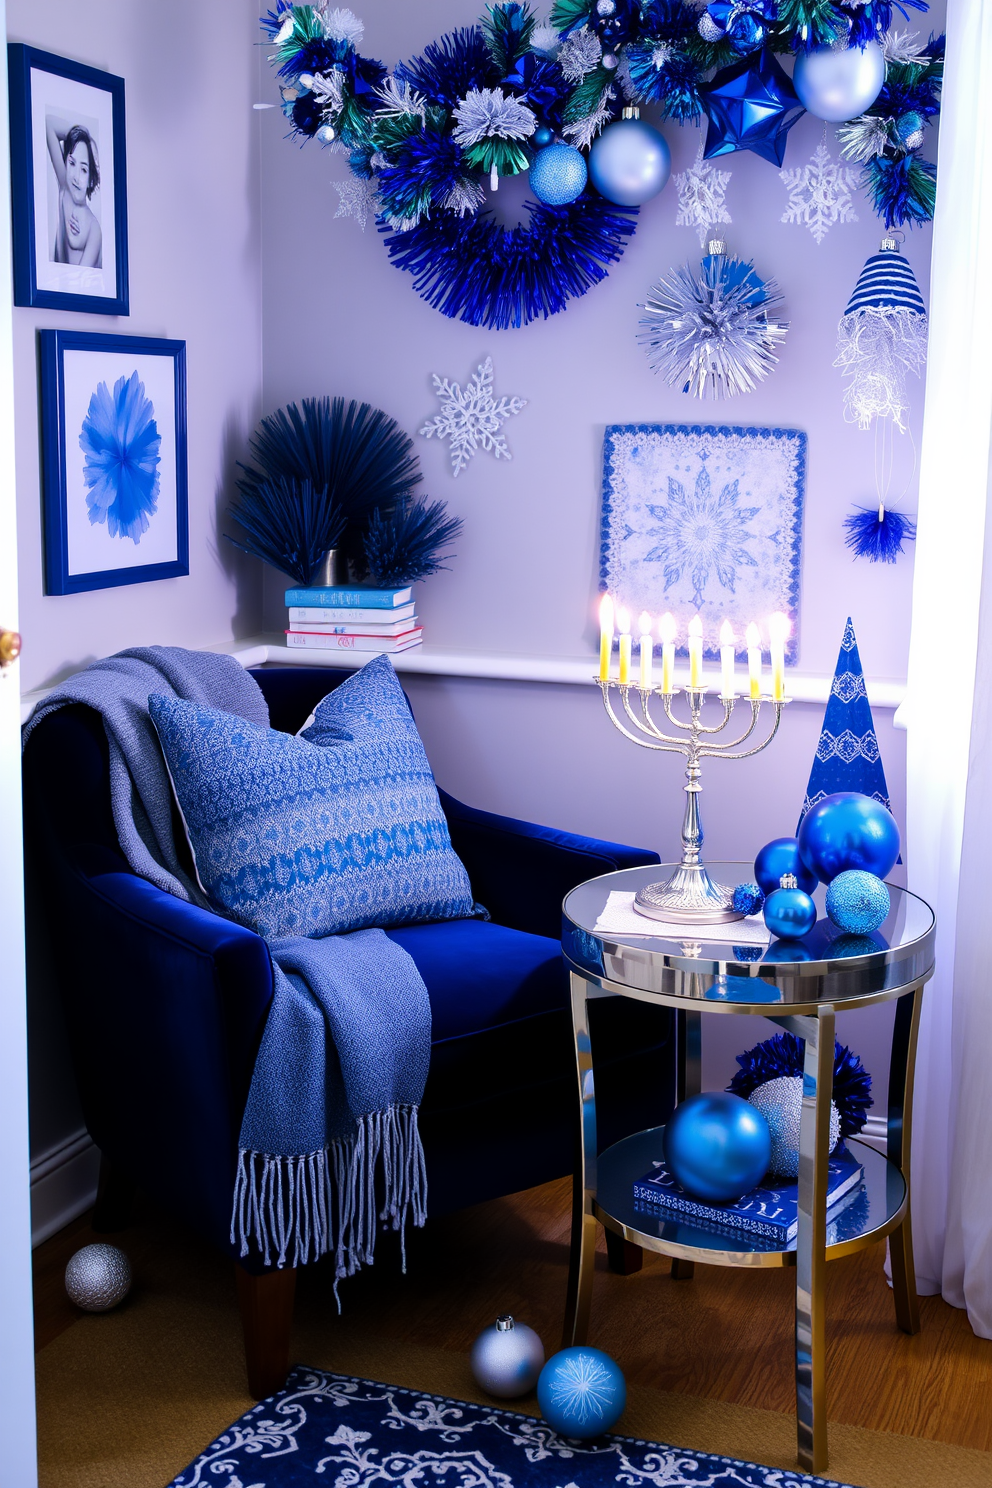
{"points": [[332, 570]]}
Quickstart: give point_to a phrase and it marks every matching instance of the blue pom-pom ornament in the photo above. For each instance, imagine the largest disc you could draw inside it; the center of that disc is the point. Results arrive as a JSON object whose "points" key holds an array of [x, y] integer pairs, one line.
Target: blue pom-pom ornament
{"points": [[780, 856], [717, 1146], [558, 175], [789, 911], [747, 899], [857, 902], [581, 1392], [848, 830]]}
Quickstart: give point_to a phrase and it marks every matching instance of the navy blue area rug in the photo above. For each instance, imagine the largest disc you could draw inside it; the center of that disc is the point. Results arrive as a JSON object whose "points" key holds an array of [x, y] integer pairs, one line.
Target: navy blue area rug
{"points": [[352, 1433]]}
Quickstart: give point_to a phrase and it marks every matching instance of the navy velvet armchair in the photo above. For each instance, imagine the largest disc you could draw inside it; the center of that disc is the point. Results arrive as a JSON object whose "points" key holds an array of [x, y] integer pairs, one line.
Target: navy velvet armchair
{"points": [[165, 1005]]}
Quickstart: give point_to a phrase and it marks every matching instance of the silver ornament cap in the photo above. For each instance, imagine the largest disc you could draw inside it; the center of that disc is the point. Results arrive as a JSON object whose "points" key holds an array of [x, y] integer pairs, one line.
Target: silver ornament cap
{"points": [[507, 1358], [98, 1277]]}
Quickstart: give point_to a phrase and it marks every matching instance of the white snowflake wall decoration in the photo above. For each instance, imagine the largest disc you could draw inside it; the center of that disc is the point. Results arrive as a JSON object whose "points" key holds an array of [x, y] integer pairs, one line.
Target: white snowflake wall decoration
{"points": [[701, 191], [358, 199], [471, 418], [819, 193]]}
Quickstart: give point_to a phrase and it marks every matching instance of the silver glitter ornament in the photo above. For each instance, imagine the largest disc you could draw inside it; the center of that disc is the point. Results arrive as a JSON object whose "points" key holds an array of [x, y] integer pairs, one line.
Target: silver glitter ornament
{"points": [[780, 1101], [98, 1277], [507, 1358]]}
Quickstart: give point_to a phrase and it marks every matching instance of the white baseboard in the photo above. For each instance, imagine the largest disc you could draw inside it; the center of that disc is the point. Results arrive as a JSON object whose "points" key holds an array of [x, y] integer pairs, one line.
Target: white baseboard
{"points": [[874, 1133], [63, 1184]]}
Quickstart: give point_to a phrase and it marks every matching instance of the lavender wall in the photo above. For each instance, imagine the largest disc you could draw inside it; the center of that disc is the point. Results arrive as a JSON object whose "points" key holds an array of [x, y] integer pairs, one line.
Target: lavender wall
{"points": [[193, 212], [193, 206], [338, 318]]}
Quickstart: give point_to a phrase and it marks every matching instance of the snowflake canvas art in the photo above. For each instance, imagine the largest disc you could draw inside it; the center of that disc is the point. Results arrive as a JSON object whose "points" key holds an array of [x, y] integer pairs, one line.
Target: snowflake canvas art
{"points": [[114, 435], [704, 519]]}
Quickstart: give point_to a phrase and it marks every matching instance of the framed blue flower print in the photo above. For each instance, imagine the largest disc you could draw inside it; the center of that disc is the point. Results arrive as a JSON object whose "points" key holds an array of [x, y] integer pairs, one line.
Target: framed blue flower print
{"points": [[113, 417], [68, 182], [704, 519]]}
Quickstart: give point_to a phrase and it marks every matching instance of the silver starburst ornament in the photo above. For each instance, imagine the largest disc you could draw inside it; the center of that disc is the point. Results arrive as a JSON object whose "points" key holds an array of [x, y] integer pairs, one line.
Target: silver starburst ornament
{"points": [[713, 331]]}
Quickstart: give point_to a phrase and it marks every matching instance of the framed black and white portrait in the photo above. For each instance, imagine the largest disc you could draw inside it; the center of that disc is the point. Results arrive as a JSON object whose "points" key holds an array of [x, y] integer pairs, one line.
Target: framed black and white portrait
{"points": [[68, 184]]}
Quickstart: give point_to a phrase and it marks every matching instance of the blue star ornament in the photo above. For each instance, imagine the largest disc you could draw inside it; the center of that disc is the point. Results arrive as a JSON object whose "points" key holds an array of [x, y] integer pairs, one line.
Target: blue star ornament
{"points": [[751, 105]]}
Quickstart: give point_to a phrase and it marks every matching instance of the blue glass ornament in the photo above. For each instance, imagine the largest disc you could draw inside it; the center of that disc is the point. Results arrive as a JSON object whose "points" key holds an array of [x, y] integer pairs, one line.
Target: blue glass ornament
{"points": [[848, 830], [789, 912], [748, 898], [581, 1392], [857, 901], [780, 856], [837, 84], [558, 175], [751, 105], [743, 23], [543, 136], [629, 163], [717, 1146]]}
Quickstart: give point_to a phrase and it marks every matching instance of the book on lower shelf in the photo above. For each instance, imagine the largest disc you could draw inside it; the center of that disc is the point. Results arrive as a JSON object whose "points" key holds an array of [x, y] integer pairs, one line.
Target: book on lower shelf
{"points": [[326, 615], [323, 641], [349, 597], [769, 1210], [360, 627]]}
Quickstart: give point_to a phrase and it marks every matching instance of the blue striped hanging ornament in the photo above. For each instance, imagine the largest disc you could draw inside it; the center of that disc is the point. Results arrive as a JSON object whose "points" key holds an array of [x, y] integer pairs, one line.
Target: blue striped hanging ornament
{"points": [[881, 338]]}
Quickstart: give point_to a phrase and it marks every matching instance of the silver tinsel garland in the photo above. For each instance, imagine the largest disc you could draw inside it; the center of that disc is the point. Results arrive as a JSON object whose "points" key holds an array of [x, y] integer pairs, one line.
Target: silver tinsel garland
{"points": [[711, 331]]}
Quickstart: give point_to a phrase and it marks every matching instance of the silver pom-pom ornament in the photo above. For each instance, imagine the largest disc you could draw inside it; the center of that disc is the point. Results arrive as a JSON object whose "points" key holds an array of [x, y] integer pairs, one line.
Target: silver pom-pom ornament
{"points": [[780, 1101], [507, 1358], [98, 1277]]}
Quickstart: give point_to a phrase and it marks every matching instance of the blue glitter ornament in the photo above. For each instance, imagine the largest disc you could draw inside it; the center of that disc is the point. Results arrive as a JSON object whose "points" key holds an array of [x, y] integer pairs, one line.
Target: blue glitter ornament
{"points": [[558, 175], [779, 856], [717, 1146], [843, 946], [751, 105], [857, 901], [748, 898], [848, 830], [789, 912], [629, 163], [581, 1393]]}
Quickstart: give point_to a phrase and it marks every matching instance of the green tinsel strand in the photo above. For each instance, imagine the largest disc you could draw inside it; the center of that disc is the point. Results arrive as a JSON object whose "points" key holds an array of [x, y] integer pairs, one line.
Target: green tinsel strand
{"points": [[307, 26], [815, 22], [566, 15], [585, 96], [390, 130], [354, 126], [709, 54], [507, 29], [505, 157]]}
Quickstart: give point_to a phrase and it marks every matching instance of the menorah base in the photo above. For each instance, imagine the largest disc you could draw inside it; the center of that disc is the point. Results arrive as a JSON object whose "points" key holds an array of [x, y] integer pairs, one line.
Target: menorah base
{"points": [[690, 897]]}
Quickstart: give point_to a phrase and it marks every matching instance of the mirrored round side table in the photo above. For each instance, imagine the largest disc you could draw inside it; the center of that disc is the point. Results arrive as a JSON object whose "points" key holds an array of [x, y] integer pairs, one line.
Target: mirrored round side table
{"points": [[800, 986]]}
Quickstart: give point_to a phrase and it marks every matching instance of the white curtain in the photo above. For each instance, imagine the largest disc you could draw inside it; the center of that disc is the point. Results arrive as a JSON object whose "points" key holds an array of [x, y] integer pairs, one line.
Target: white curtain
{"points": [[947, 711]]}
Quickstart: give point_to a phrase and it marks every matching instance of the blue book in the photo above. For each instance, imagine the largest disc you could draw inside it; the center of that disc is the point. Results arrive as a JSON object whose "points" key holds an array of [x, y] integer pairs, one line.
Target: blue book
{"points": [[349, 597], [770, 1210]]}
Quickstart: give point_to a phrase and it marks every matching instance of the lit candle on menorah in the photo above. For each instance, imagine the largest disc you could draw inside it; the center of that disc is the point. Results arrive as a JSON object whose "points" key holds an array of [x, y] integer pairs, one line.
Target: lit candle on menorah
{"points": [[690, 896]]}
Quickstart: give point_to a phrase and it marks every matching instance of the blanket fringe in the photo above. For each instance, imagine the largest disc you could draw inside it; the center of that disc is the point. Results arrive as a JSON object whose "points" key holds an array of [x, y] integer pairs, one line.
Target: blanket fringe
{"points": [[297, 1209]]}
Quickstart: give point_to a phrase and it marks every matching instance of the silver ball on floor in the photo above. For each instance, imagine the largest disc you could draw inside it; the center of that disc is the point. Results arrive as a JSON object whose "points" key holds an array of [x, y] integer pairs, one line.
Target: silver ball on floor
{"points": [[507, 1358], [98, 1277]]}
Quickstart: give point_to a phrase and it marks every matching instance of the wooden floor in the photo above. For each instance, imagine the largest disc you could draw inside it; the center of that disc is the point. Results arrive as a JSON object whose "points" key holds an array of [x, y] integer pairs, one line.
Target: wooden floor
{"points": [[726, 1335]]}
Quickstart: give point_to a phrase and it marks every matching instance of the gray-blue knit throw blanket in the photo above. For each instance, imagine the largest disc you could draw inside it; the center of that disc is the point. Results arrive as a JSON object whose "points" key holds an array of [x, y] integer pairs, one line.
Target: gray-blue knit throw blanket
{"points": [[344, 1055]]}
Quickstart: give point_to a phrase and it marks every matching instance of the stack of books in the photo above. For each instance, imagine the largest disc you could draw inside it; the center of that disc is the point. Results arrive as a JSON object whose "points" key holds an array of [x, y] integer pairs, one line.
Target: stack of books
{"points": [[770, 1210], [350, 618]]}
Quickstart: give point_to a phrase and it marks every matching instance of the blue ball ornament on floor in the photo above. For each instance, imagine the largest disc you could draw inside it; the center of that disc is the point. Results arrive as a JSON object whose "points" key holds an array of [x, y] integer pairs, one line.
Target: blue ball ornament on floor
{"points": [[558, 175], [581, 1393], [717, 1146], [629, 163], [857, 902], [848, 830], [506, 1358], [789, 911], [779, 856]]}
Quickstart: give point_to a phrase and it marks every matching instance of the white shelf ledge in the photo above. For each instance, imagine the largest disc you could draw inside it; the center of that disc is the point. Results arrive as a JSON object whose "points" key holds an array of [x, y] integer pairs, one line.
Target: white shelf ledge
{"points": [[437, 661]]}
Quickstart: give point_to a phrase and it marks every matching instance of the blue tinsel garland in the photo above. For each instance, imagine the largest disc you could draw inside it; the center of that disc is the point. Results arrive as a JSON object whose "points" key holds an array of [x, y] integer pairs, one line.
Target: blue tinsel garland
{"points": [[783, 1055]]}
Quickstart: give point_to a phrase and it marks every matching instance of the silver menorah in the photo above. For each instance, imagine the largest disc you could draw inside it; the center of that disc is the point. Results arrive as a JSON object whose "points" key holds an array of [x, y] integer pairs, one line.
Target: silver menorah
{"points": [[690, 896]]}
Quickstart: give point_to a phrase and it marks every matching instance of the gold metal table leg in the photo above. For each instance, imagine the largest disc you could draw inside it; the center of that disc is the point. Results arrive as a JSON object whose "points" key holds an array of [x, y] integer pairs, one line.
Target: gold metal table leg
{"points": [[900, 1121], [583, 1249]]}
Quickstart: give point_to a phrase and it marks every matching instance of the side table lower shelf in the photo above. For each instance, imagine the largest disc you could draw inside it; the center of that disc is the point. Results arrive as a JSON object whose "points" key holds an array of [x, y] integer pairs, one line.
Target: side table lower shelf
{"points": [[870, 1217]]}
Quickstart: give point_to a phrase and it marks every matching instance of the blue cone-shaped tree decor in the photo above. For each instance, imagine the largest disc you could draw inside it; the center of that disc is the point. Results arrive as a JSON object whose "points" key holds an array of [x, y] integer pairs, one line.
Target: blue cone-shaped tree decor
{"points": [[847, 756]]}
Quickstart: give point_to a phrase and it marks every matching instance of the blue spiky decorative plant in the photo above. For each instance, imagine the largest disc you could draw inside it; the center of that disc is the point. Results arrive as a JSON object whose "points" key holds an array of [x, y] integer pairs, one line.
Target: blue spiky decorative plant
{"points": [[329, 474], [783, 1055]]}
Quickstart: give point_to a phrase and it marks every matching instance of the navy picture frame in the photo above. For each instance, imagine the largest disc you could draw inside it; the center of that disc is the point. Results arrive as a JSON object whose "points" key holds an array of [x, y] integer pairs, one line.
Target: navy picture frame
{"points": [[53, 346], [21, 60]]}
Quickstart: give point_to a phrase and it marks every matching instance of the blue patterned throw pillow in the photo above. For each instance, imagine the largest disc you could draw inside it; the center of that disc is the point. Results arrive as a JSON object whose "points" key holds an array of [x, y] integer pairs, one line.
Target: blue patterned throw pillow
{"points": [[292, 838]]}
